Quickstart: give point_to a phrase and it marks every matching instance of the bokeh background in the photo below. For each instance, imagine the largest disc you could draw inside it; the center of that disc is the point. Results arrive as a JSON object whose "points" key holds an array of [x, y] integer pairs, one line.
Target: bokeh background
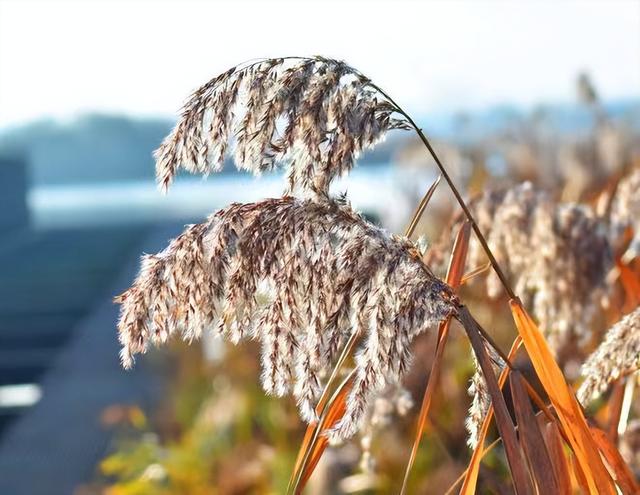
{"points": [[536, 90]]}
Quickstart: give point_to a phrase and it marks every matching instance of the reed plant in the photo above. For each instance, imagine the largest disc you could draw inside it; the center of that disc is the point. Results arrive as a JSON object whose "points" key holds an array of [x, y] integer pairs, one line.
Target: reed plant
{"points": [[336, 303]]}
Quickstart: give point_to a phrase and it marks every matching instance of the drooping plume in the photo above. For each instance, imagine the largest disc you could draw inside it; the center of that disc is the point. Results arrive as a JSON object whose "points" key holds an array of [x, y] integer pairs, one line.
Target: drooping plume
{"points": [[618, 355], [556, 257], [300, 276], [624, 214], [315, 115]]}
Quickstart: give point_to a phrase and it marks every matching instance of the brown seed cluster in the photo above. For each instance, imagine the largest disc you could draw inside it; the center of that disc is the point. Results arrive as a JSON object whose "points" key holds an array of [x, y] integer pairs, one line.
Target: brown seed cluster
{"points": [[315, 115], [618, 355], [300, 276]]}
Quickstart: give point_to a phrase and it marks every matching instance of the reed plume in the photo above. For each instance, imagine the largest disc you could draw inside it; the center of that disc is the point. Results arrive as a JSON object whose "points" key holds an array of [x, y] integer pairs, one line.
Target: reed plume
{"points": [[617, 356], [315, 115], [480, 397], [322, 272], [480, 402], [624, 214], [556, 256]]}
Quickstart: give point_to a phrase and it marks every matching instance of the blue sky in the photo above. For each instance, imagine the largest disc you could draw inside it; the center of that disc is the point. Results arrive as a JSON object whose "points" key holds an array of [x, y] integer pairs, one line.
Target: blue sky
{"points": [[61, 58]]}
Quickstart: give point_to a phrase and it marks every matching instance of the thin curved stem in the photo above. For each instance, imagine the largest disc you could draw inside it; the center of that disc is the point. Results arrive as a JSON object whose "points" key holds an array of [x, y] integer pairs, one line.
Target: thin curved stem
{"points": [[366, 81], [421, 207], [454, 189]]}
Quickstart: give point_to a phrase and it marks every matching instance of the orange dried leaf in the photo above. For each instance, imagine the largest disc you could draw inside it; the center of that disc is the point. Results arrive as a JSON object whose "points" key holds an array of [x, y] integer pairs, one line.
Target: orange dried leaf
{"points": [[569, 411], [553, 441], [454, 275], [459, 256], [623, 475], [531, 438], [315, 444], [630, 282], [305, 448], [515, 458]]}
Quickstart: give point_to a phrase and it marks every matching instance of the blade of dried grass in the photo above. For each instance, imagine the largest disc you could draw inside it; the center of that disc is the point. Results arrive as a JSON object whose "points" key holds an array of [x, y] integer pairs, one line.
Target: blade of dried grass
{"points": [[615, 408], [474, 273], [421, 207], [623, 475], [318, 442], [631, 284], [515, 459], [553, 441], [454, 275], [531, 438], [471, 476], [312, 428], [627, 402], [463, 475], [569, 411]]}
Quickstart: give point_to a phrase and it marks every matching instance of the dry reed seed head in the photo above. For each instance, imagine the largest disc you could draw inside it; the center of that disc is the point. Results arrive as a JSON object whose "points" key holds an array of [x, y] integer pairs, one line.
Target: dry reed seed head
{"points": [[327, 272], [478, 409], [480, 397], [625, 213], [617, 355], [315, 115], [556, 256]]}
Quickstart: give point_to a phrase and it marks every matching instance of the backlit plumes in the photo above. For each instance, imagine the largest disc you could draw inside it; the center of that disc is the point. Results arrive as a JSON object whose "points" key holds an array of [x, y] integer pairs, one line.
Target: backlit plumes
{"points": [[479, 407], [322, 272], [314, 114], [480, 397], [556, 256], [618, 355], [625, 213]]}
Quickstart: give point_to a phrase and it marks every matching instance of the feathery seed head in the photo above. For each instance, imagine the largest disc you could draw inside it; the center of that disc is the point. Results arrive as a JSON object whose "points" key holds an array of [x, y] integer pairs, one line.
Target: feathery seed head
{"points": [[556, 256], [625, 213], [331, 273], [618, 355], [315, 115]]}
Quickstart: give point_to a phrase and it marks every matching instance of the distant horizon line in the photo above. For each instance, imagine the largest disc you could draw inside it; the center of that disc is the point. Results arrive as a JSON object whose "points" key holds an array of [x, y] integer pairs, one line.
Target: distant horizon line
{"points": [[438, 114]]}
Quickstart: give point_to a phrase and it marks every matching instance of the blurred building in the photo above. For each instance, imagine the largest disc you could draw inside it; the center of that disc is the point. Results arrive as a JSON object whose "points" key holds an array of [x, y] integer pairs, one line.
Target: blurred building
{"points": [[59, 365]]}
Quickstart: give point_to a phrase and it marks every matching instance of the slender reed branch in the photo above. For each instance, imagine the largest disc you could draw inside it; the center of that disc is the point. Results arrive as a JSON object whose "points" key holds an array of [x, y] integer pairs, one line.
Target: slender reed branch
{"points": [[421, 207], [454, 189], [625, 408]]}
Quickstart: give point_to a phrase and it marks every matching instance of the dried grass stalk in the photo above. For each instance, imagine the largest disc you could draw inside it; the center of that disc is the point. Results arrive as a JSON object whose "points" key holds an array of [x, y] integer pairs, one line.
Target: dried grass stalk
{"points": [[618, 355], [322, 271], [314, 114]]}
